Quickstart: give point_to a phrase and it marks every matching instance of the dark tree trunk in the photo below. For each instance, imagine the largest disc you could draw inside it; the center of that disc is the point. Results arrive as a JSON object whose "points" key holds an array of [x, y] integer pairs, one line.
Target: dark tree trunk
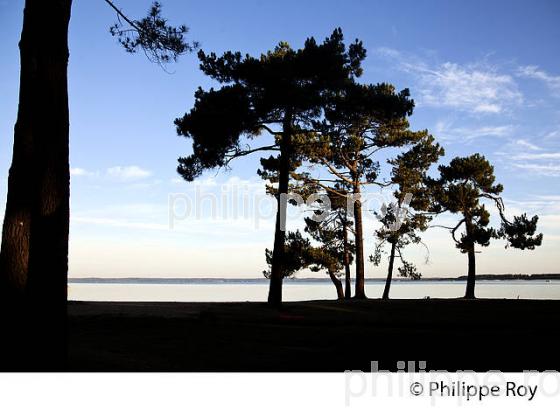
{"points": [[471, 275], [338, 285], [34, 253], [360, 271], [277, 270], [347, 278], [390, 271]]}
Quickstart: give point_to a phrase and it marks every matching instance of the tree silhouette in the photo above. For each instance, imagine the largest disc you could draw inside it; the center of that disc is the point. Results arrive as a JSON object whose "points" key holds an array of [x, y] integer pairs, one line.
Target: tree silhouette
{"points": [[340, 223], [335, 250], [459, 190], [299, 253], [282, 93], [34, 253], [358, 123], [408, 215], [160, 42], [329, 226]]}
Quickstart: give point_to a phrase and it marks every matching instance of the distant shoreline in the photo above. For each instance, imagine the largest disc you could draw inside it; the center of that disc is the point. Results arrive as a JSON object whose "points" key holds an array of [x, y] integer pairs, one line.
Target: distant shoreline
{"points": [[240, 281]]}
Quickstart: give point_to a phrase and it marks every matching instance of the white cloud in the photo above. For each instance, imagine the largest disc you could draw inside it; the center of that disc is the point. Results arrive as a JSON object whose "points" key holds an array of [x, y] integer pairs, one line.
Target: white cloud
{"points": [[470, 88], [475, 88], [78, 172], [552, 170], [533, 159], [553, 135], [128, 173], [542, 155], [523, 143], [446, 130], [534, 72]]}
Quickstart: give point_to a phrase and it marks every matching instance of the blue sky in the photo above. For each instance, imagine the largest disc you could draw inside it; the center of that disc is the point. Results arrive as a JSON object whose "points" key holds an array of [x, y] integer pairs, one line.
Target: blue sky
{"points": [[485, 77]]}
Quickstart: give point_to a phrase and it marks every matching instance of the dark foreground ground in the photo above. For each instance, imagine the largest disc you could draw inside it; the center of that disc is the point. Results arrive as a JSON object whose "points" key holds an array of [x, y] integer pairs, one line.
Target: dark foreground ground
{"points": [[507, 335]]}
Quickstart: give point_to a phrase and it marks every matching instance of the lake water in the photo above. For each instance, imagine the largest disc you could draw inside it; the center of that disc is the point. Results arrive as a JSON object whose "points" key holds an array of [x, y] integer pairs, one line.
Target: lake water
{"points": [[257, 290]]}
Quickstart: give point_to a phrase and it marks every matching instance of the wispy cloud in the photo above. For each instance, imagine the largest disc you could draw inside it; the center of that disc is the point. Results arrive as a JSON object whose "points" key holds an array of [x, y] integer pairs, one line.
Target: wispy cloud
{"points": [[128, 173], [524, 144], [542, 155], [469, 88], [534, 72], [476, 88], [447, 131], [552, 170], [533, 159]]}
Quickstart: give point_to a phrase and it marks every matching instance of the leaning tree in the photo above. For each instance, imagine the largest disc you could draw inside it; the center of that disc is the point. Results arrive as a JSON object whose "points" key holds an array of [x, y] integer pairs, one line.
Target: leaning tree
{"points": [[408, 214], [281, 93], [34, 252], [460, 189]]}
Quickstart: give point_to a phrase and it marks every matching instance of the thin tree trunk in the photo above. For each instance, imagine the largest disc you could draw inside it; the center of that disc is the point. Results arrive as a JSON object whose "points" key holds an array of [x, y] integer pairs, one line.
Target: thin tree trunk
{"points": [[390, 271], [360, 271], [337, 284], [348, 279], [277, 271], [471, 276], [34, 253]]}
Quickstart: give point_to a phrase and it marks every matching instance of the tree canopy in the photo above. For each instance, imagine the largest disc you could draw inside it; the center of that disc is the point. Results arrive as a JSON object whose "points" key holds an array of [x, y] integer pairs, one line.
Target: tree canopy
{"points": [[460, 189]]}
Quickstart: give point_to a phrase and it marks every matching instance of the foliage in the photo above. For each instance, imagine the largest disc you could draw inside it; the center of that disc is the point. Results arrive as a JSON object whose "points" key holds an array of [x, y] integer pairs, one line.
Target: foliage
{"points": [[283, 88], [160, 42], [461, 187]]}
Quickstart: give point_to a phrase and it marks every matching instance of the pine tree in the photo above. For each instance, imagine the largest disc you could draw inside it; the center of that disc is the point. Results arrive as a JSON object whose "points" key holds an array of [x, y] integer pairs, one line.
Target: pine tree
{"points": [[408, 215], [360, 122], [460, 188], [282, 93]]}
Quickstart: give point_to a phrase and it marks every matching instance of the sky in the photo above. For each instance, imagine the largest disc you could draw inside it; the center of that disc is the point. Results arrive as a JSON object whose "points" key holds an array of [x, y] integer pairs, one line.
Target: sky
{"points": [[485, 77]]}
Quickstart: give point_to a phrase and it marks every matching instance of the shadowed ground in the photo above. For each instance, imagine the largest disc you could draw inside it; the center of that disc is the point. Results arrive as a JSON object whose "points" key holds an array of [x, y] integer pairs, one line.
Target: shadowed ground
{"points": [[485, 334]]}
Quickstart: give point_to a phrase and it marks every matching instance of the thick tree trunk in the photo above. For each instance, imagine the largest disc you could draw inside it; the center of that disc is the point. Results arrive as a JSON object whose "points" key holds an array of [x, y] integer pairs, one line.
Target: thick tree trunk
{"points": [[277, 270], [337, 284], [471, 275], [360, 271], [390, 271], [347, 278], [34, 253]]}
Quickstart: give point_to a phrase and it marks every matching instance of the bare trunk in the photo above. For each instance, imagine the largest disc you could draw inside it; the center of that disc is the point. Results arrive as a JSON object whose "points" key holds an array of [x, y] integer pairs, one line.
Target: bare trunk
{"points": [[471, 276], [338, 285], [360, 271], [34, 253], [277, 270], [390, 271], [347, 278]]}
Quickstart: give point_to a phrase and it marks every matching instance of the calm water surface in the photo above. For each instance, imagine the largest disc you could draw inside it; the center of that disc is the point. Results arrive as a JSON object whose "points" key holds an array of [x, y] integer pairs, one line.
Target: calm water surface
{"points": [[294, 291]]}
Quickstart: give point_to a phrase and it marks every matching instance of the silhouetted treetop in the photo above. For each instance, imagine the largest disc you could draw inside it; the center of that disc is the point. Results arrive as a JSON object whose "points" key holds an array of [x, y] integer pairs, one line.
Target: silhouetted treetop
{"points": [[315, 66], [466, 180], [281, 87], [160, 42]]}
